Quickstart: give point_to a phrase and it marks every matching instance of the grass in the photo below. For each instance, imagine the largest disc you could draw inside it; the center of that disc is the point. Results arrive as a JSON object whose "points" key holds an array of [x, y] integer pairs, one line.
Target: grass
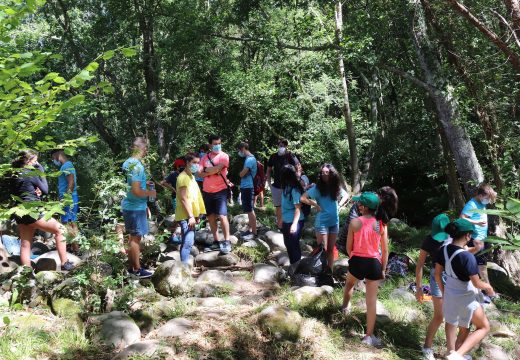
{"points": [[256, 255]]}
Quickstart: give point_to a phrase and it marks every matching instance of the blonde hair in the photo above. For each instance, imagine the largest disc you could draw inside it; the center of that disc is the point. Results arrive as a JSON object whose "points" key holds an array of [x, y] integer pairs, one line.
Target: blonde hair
{"points": [[139, 145], [487, 190]]}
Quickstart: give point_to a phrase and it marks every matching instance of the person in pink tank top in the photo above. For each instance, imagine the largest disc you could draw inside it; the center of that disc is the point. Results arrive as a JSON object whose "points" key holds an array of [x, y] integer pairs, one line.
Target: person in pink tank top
{"points": [[367, 247]]}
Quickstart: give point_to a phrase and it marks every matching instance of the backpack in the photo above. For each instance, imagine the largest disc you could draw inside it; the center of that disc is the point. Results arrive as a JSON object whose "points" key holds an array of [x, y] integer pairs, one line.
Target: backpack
{"points": [[259, 179]]}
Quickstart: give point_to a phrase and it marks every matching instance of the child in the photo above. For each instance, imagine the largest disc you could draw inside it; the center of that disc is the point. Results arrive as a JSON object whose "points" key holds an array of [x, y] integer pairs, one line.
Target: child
{"points": [[461, 307], [367, 247]]}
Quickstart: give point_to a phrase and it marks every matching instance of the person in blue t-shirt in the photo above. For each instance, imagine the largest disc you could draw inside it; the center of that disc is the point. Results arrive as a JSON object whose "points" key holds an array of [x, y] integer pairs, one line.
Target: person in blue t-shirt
{"points": [[485, 195], [247, 191], [324, 197], [67, 185], [134, 205], [292, 214]]}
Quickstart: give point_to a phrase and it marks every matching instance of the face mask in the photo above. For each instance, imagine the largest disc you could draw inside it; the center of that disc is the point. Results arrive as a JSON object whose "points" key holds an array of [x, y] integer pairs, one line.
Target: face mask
{"points": [[216, 148], [241, 154], [56, 162], [194, 168], [281, 150], [485, 201]]}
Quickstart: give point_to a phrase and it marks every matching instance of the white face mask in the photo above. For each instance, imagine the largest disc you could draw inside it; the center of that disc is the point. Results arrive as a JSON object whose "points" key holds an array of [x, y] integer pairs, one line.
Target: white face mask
{"points": [[485, 201], [281, 150]]}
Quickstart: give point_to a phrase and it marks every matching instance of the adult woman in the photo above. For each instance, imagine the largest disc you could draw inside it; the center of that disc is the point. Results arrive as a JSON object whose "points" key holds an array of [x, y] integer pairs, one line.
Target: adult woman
{"points": [[429, 248], [367, 247], [461, 307], [292, 215], [324, 197], [29, 186]]}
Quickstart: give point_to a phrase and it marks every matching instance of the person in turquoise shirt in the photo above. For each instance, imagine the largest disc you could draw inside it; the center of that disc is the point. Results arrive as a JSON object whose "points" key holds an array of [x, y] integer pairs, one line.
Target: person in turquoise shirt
{"points": [[135, 203], [247, 193], [67, 185], [324, 197]]}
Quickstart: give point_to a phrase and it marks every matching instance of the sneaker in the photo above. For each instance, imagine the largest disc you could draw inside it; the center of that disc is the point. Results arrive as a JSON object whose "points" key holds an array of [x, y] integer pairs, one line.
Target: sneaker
{"points": [[141, 273], [213, 247], [67, 266], [456, 356], [428, 353], [247, 235], [485, 299], [225, 247], [372, 341], [175, 239]]}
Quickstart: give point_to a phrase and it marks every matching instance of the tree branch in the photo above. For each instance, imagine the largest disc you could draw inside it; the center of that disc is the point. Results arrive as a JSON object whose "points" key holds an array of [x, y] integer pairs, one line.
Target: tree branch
{"points": [[429, 88], [278, 43]]}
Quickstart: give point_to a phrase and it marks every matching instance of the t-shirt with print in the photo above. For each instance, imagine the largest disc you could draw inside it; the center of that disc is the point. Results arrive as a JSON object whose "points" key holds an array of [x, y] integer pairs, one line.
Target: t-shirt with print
{"points": [[214, 183], [247, 181], [328, 216], [277, 162], [63, 185], [480, 232], [431, 246], [134, 170], [464, 264], [194, 197], [290, 197]]}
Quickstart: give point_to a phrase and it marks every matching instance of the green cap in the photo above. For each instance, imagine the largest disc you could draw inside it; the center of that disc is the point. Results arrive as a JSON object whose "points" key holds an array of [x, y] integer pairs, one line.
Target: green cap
{"points": [[464, 226], [438, 225], [368, 199]]}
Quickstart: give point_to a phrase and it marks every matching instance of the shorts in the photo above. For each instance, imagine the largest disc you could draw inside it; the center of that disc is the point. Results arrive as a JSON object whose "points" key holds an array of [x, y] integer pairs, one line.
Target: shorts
{"points": [[324, 230], [248, 197], [216, 203], [435, 290], [136, 222], [26, 219], [71, 211], [365, 268], [482, 256], [277, 196]]}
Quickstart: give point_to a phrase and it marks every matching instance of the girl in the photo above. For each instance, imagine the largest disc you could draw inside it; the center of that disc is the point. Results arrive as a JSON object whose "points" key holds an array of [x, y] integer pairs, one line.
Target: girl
{"points": [[430, 246], [461, 307], [324, 197], [292, 215], [29, 188], [367, 248]]}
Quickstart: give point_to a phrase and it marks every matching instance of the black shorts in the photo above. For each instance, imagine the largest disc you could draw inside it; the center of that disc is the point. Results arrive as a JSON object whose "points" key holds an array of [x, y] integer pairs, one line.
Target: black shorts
{"points": [[482, 256], [26, 219], [365, 268]]}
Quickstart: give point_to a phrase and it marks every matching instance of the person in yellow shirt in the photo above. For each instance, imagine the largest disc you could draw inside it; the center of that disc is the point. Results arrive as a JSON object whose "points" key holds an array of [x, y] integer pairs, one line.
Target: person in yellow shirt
{"points": [[190, 204]]}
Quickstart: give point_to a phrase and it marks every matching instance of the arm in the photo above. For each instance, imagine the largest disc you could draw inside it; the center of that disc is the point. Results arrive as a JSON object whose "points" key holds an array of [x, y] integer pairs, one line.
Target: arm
{"points": [[244, 172], [210, 170], [419, 274], [70, 183], [475, 222], [384, 249], [438, 276], [343, 200], [183, 192], [479, 284], [40, 182], [167, 185], [354, 226], [268, 174], [137, 191], [296, 217], [306, 200]]}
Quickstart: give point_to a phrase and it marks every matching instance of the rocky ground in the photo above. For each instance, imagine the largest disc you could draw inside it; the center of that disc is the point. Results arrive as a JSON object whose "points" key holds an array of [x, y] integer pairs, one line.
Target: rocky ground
{"points": [[237, 306]]}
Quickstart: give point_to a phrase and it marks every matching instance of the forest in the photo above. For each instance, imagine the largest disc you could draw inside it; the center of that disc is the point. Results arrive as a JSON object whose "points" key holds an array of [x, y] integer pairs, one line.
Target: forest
{"points": [[419, 95]]}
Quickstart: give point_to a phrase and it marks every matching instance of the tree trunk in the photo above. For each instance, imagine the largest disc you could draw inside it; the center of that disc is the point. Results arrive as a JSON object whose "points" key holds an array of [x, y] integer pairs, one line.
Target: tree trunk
{"points": [[351, 136], [513, 7], [457, 199]]}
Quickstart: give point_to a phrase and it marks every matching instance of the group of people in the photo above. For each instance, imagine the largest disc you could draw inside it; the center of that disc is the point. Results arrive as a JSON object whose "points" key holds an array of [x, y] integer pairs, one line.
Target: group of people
{"points": [[201, 188]]}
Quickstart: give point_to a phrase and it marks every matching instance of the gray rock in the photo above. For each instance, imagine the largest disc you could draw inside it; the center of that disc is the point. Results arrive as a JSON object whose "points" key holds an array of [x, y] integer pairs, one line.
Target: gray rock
{"points": [[403, 294], [497, 329], [491, 266], [264, 273], [308, 294], [209, 302], [172, 278], [255, 243], [169, 221], [153, 228], [118, 329], [203, 237], [66, 308], [215, 259], [493, 352], [309, 232], [213, 276], [6, 265], [275, 240], [50, 261], [340, 267], [147, 348], [240, 223], [46, 278], [39, 248], [173, 328], [281, 322], [212, 283], [282, 259], [176, 255]]}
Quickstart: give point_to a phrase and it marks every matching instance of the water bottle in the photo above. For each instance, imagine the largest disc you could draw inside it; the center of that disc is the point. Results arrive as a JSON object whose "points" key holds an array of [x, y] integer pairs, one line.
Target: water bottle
{"points": [[151, 186]]}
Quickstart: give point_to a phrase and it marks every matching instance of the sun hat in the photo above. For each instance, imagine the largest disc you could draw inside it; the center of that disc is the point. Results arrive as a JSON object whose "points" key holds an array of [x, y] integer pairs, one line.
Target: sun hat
{"points": [[368, 199], [438, 225]]}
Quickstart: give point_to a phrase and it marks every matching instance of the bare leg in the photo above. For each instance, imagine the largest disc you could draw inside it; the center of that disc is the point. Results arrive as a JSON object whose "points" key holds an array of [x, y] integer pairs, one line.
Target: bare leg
{"points": [[461, 337], [279, 217], [72, 229], [331, 243], [54, 227], [134, 252], [435, 322], [451, 336], [321, 239], [26, 233], [482, 270], [213, 226], [349, 290], [252, 221], [121, 237], [372, 287], [482, 329], [224, 222], [262, 199]]}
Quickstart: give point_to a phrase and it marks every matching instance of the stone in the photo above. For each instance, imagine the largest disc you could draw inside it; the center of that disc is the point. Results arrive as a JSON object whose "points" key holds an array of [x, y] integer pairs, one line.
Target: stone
{"points": [[118, 329], [340, 268], [50, 261], [240, 223], [275, 240], [173, 328], [256, 243], [493, 352], [309, 294], [264, 273], [67, 289], [169, 221], [153, 228], [203, 237], [213, 276], [281, 322], [309, 233], [172, 279], [403, 294], [215, 259], [66, 308], [497, 329], [209, 301], [176, 255], [47, 278], [491, 266], [233, 239], [282, 259], [213, 282], [39, 248], [152, 349]]}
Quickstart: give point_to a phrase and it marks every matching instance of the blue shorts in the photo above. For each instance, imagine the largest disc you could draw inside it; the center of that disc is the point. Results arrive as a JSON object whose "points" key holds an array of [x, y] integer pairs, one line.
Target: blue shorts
{"points": [[136, 222], [324, 230], [435, 290], [248, 198], [71, 211], [216, 203]]}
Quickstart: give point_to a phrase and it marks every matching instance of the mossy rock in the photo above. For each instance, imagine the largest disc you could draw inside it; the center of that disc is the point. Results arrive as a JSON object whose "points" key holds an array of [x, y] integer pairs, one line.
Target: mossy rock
{"points": [[282, 323], [66, 308], [47, 278]]}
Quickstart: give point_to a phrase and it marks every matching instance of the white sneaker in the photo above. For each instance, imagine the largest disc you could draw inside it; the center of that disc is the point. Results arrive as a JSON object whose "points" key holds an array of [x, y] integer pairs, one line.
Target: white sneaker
{"points": [[455, 356], [428, 353], [372, 341]]}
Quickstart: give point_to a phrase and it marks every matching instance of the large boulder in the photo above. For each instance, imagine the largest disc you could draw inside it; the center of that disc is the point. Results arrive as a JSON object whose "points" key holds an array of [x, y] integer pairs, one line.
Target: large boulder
{"points": [[282, 259], [212, 283], [66, 308], [402, 294], [497, 329], [215, 259], [6, 265], [256, 243], [308, 294], [340, 268], [493, 352], [48, 278], [68, 289], [118, 329], [281, 322], [149, 349], [211, 302], [173, 328], [203, 237], [172, 279], [275, 240], [51, 261], [176, 255], [264, 273]]}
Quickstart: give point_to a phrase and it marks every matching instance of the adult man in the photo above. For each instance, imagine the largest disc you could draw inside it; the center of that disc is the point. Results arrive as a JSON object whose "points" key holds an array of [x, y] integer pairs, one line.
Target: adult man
{"points": [[247, 192], [214, 191], [134, 205], [67, 185], [274, 167]]}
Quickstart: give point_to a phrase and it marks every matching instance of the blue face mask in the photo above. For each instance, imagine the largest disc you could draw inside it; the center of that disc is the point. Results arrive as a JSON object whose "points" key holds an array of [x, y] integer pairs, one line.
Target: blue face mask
{"points": [[56, 162], [216, 148], [241, 154], [194, 168]]}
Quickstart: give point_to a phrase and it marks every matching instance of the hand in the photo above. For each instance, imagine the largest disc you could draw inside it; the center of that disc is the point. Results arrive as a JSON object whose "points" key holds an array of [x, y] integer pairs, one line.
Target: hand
{"points": [[419, 294], [490, 291], [38, 192], [191, 222], [293, 229], [481, 223], [279, 224], [318, 208], [152, 193]]}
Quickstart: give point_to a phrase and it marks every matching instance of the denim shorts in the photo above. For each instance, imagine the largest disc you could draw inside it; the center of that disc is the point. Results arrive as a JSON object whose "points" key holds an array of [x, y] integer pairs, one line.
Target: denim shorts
{"points": [[247, 195], [435, 290], [276, 194], [71, 211], [136, 222], [216, 203], [323, 230]]}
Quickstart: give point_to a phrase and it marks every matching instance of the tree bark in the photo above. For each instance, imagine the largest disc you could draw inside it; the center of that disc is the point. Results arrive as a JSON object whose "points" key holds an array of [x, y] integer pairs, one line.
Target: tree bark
{"points": [[457, 199], [351, 136], [513, 7]]}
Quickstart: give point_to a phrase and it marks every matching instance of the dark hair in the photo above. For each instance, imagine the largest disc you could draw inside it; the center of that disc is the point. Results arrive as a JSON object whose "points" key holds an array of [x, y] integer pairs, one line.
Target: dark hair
{"points": [[204, 148], [333, 186], [190, 156], [454, 232], [23, 158], [57, 151], [388, 204], [243, 145], [284, 142], [290, 180], [213, 137]]}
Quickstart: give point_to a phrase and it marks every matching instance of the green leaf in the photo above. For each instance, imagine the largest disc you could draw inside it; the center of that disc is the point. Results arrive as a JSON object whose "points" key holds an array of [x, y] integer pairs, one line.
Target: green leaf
{"points": [[84, 75], [73, 101], [93, 66], [108, 55], [7, 321], [59, 80], [129, 52]]}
